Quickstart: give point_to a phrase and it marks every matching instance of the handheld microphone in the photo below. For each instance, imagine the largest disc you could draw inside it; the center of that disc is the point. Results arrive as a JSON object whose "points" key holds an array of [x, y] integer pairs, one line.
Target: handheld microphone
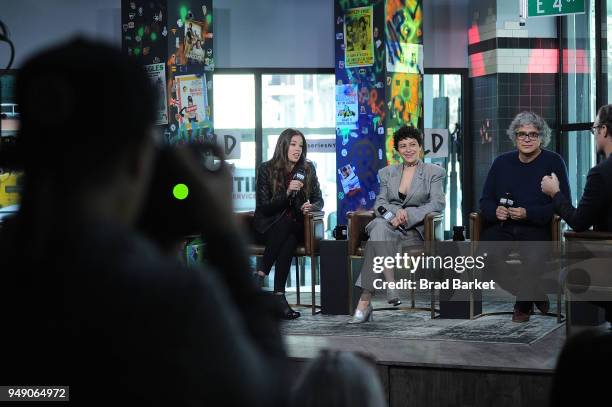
{"points": [[389, 216], [507, 202], [300, 175]]}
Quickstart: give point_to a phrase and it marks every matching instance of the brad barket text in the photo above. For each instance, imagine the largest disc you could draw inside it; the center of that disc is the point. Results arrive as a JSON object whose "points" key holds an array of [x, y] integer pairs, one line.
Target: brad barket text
{"points": [[425, 284]]}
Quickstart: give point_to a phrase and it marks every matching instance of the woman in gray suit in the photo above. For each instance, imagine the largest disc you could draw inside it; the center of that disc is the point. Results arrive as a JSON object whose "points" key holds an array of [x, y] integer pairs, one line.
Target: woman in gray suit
{"points": [[409, 191]]}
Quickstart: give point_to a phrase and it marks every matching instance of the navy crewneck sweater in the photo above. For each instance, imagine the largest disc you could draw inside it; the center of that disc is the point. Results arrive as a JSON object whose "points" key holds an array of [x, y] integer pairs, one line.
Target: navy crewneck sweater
{"points": [[509, 174]]}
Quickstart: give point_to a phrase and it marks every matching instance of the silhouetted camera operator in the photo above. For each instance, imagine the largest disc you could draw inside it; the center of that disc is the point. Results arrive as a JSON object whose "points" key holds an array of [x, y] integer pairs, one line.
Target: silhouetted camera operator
{"points": [[93, 304]]}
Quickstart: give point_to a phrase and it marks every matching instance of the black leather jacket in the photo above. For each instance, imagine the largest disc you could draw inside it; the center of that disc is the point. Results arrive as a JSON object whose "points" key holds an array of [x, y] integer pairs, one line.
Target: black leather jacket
{"points": [[270, 207]]}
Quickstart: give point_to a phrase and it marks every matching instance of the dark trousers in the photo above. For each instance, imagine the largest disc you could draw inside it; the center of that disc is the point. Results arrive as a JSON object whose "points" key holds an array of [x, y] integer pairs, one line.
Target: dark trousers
{"points": [[281, 240], [523, 280]]}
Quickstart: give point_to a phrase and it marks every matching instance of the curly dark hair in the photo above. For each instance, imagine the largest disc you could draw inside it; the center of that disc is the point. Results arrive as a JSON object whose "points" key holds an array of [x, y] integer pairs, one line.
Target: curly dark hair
{"points": [[405, 132]]}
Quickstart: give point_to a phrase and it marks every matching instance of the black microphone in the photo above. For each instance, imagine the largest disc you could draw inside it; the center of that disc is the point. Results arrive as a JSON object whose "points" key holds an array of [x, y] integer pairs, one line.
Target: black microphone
{"points": [[389, 216], [507, 202], [300, 175]]}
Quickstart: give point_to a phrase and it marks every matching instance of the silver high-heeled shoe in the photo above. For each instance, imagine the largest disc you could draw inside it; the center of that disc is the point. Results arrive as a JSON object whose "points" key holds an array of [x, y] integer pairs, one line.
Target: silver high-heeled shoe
{"points": [[393, 297], [363, 316]]}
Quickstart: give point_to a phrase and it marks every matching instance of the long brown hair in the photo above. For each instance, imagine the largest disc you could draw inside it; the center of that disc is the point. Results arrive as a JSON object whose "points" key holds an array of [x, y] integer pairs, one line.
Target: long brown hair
{"points": [[280, 161]]}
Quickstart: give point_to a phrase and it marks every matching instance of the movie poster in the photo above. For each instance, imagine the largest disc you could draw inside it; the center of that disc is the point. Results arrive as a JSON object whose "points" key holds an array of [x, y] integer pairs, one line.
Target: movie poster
{"points": [[358, 37], [192, 101], [157, 74], [194, 41], [408, 58], [10, 180], [347, 101]]}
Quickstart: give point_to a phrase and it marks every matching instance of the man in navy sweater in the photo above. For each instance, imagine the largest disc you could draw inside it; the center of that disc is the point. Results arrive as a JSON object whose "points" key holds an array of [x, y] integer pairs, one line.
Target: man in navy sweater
{"points": [[528, 217]]}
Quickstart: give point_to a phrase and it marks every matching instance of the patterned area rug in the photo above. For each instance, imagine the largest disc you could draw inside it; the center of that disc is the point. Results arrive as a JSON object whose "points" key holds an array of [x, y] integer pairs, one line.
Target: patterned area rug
{"points": [[418, 325]]}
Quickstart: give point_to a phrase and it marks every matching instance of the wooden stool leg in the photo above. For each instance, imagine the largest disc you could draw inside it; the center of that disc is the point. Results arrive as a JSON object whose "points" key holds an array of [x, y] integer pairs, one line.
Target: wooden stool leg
{"points": [[568, 314], [312, 282], [303, 269], [433, 304], [297, 280], [350, 286], [412, 295], [559, 305]]}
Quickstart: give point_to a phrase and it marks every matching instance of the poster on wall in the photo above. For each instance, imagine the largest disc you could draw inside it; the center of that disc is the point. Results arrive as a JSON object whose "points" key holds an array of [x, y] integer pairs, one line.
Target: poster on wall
{"points": [[347, 101], [144, 26], [10, 181], [358, 37], [408, 58], [192, 101], [405, 93], [194, 41], [349, 180], [157, 74]]}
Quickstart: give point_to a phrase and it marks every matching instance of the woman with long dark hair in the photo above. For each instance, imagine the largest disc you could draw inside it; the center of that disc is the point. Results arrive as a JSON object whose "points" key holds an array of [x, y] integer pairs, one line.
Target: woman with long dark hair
{"points": [[281, 203]]}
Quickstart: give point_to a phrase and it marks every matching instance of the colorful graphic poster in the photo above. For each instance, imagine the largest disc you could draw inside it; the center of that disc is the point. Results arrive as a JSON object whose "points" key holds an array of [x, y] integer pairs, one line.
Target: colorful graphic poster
{"points": [[145, 29], [349, 180], [405, 93], [192, 101], [347, 101], [408, 59], [358, 37], [194, 41], [157, 74]]}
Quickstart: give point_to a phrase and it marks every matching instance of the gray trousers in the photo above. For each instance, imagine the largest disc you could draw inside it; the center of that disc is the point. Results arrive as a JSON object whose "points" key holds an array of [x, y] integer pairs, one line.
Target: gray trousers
{"points": [[384, 241]]}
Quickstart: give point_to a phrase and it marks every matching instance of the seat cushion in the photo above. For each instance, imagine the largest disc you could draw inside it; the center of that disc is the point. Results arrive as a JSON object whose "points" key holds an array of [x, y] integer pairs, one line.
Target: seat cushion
{"points": [[258, 250]]}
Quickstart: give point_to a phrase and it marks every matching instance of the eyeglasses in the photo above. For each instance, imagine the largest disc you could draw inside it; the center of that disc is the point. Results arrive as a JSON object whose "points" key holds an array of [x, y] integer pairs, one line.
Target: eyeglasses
{"points": [[595, 129], [521, 135]]}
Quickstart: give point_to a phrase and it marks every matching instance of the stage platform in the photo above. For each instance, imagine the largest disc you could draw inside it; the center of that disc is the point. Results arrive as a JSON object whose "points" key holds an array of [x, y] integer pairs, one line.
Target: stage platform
{"points": [[489, 361]]}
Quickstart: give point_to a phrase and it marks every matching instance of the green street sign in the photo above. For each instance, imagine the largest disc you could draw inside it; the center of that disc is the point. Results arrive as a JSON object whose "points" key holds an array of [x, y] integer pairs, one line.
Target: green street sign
{"points": [[541, 8]]}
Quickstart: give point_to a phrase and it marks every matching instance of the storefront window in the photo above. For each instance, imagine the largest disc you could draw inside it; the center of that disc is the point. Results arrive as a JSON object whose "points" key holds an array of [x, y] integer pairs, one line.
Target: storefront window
{"points": [[442, 110], [234, 121], [579, 95], [581, 150], [578, 59]]}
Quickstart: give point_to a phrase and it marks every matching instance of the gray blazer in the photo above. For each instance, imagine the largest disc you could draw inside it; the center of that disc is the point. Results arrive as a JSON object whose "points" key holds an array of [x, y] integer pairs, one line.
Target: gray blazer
{"points": [[426, 193]]}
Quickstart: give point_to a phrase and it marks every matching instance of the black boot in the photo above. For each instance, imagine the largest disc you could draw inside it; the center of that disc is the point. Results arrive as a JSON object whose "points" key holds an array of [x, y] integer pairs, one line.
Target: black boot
{"points": [[287, 311]]}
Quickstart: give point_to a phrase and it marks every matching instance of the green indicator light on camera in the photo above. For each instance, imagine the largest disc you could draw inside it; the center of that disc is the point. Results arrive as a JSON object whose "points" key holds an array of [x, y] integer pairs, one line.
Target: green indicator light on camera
{"points": [[180, 191]]}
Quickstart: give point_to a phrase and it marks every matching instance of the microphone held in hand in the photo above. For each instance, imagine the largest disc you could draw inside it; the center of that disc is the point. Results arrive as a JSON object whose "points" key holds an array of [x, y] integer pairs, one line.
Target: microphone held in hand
{"points": [[507, 202], [300, 175], [389, 216]]}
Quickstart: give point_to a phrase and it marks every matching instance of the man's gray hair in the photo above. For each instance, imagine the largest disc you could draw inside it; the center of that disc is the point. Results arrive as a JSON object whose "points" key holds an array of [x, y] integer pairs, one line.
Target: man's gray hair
{"points": [[529, 118]]}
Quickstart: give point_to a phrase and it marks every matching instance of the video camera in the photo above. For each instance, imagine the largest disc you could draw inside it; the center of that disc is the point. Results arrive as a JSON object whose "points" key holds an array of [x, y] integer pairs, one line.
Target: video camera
{"points": [[173, 207]]}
